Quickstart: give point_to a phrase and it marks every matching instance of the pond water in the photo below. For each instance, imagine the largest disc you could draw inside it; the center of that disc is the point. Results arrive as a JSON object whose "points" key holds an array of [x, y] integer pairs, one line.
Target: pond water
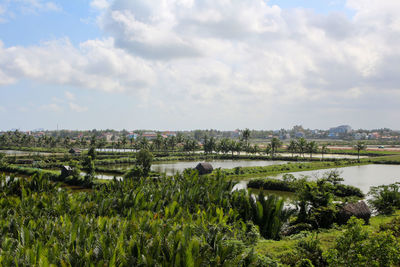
{"points": [[173, 168], [20, 152], [119, 150], [325, 156], [362, 177]]}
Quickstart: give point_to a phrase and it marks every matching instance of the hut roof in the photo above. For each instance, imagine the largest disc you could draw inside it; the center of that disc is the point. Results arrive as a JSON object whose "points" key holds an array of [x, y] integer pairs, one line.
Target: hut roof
{"points": [[204, 168], [74, 150], [358, 209], [67, 168]]}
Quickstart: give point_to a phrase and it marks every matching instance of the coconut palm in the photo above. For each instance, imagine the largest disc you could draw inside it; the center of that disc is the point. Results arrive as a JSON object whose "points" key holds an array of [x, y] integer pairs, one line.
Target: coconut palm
{"points": [[292, 147], [302, 145], [359, 146], [311, 148], [246, 136], [275, 144], [324, 150]]}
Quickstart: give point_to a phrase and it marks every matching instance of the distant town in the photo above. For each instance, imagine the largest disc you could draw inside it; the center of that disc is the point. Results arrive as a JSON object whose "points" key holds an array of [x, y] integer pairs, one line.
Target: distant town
{"points": [[342, 132]]}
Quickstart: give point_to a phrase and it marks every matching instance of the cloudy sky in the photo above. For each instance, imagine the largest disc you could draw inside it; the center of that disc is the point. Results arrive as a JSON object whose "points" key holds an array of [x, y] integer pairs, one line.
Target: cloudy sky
{"points": [[188, 64]]}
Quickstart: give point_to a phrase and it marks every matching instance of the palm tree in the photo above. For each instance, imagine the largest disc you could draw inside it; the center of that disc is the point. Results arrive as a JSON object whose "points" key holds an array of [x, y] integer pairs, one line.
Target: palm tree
{"points": [[312, 147], [360, 146], [238, 147], [268, 150], [275, 144], [246, 137], [324, 150], [302, 145], [292, 147], [124, 141], [158, 141], [172, 142]]}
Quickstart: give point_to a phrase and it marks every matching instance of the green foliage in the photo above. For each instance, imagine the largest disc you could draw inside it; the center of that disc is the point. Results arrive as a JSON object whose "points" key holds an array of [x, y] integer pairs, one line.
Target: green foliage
{"points": [[269, 215], [186, 220], [385, 198], [271, 184], [88, 165], [290, 184], [393, 226], [357, 247], [314, 202], [92, 153], [144, 159], [306, 252]]}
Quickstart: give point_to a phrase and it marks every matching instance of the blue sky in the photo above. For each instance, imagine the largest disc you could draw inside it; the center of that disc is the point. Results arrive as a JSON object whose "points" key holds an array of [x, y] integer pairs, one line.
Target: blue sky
{"points": [[187, 64]]}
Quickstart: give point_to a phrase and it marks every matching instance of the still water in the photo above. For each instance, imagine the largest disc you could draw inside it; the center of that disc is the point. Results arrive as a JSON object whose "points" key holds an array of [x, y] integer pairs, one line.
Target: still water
{"points": [[173, 168], [362, 177]]}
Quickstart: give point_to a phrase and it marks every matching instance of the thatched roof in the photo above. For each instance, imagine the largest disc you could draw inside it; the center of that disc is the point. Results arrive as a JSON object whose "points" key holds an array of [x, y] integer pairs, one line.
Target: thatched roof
{"points": [[204, 168], [74, 151], [358, 209], [66, 171]]}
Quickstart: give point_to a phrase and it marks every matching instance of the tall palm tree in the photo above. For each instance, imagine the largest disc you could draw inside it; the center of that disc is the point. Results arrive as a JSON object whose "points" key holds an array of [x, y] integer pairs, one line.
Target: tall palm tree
{"points": [[302, 145], [246, 136], [275, 144], [312, 147], [172, 142], [292, 147], [324, 150], [360, 146]]}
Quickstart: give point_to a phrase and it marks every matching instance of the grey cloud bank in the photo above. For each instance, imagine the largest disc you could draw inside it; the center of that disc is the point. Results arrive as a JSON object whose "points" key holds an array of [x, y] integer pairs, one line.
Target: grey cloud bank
{"points": [[251, 63]]}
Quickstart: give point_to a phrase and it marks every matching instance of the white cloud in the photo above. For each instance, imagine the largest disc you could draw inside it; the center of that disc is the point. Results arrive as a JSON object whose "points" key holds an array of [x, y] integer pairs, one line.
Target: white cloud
{"points": [[95, 65], [11, 9], [241, 56], [51, 107], [69, 95], [33, 6], [2, 109], [99, 4], [77, 108]]}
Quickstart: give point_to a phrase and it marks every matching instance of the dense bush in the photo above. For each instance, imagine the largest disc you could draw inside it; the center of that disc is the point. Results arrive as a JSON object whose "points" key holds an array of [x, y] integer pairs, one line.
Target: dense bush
{"points": [[306, 252], [357, 247], [186, 220], [271, 184], [385, 198]]}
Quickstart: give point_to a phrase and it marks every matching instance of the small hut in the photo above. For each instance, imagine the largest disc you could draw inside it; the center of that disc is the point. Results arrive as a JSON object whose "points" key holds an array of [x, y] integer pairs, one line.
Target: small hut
{"points": [[358, 209], [66, 171], [75, 151], [24, 161], [204, 168]]}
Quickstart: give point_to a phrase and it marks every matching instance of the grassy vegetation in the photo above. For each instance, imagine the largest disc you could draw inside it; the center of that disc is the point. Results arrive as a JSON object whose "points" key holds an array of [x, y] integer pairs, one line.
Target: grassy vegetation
{"points": [[251, 172], [279, 249]]}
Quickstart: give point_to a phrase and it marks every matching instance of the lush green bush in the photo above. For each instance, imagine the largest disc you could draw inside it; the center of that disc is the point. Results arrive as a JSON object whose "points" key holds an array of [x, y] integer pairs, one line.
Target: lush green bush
{"points": [[393, 226], [186, 220], [271, 184], [385, 198], [306, 252], [357, 247]]}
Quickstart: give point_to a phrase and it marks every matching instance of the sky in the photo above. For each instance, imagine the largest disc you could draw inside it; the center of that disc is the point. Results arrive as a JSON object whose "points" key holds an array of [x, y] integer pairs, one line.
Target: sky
{"points": [[191, 64]]}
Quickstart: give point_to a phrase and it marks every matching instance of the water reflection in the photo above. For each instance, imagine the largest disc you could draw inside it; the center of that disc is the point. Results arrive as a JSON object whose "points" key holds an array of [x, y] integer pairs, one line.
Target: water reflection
{"points": [[173, 168]]}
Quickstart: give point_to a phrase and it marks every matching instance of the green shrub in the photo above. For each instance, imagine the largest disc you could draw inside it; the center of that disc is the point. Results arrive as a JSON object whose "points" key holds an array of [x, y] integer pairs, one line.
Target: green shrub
{"points": [[385, 198], [357, 247]]}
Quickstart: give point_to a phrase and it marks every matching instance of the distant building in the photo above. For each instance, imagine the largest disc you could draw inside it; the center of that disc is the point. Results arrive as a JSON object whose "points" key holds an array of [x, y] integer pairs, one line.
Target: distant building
{"points": [[108, 136], [342, 129], [169, 134], [132, 136], [360, 136], [149, 135], [300, 135]]}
